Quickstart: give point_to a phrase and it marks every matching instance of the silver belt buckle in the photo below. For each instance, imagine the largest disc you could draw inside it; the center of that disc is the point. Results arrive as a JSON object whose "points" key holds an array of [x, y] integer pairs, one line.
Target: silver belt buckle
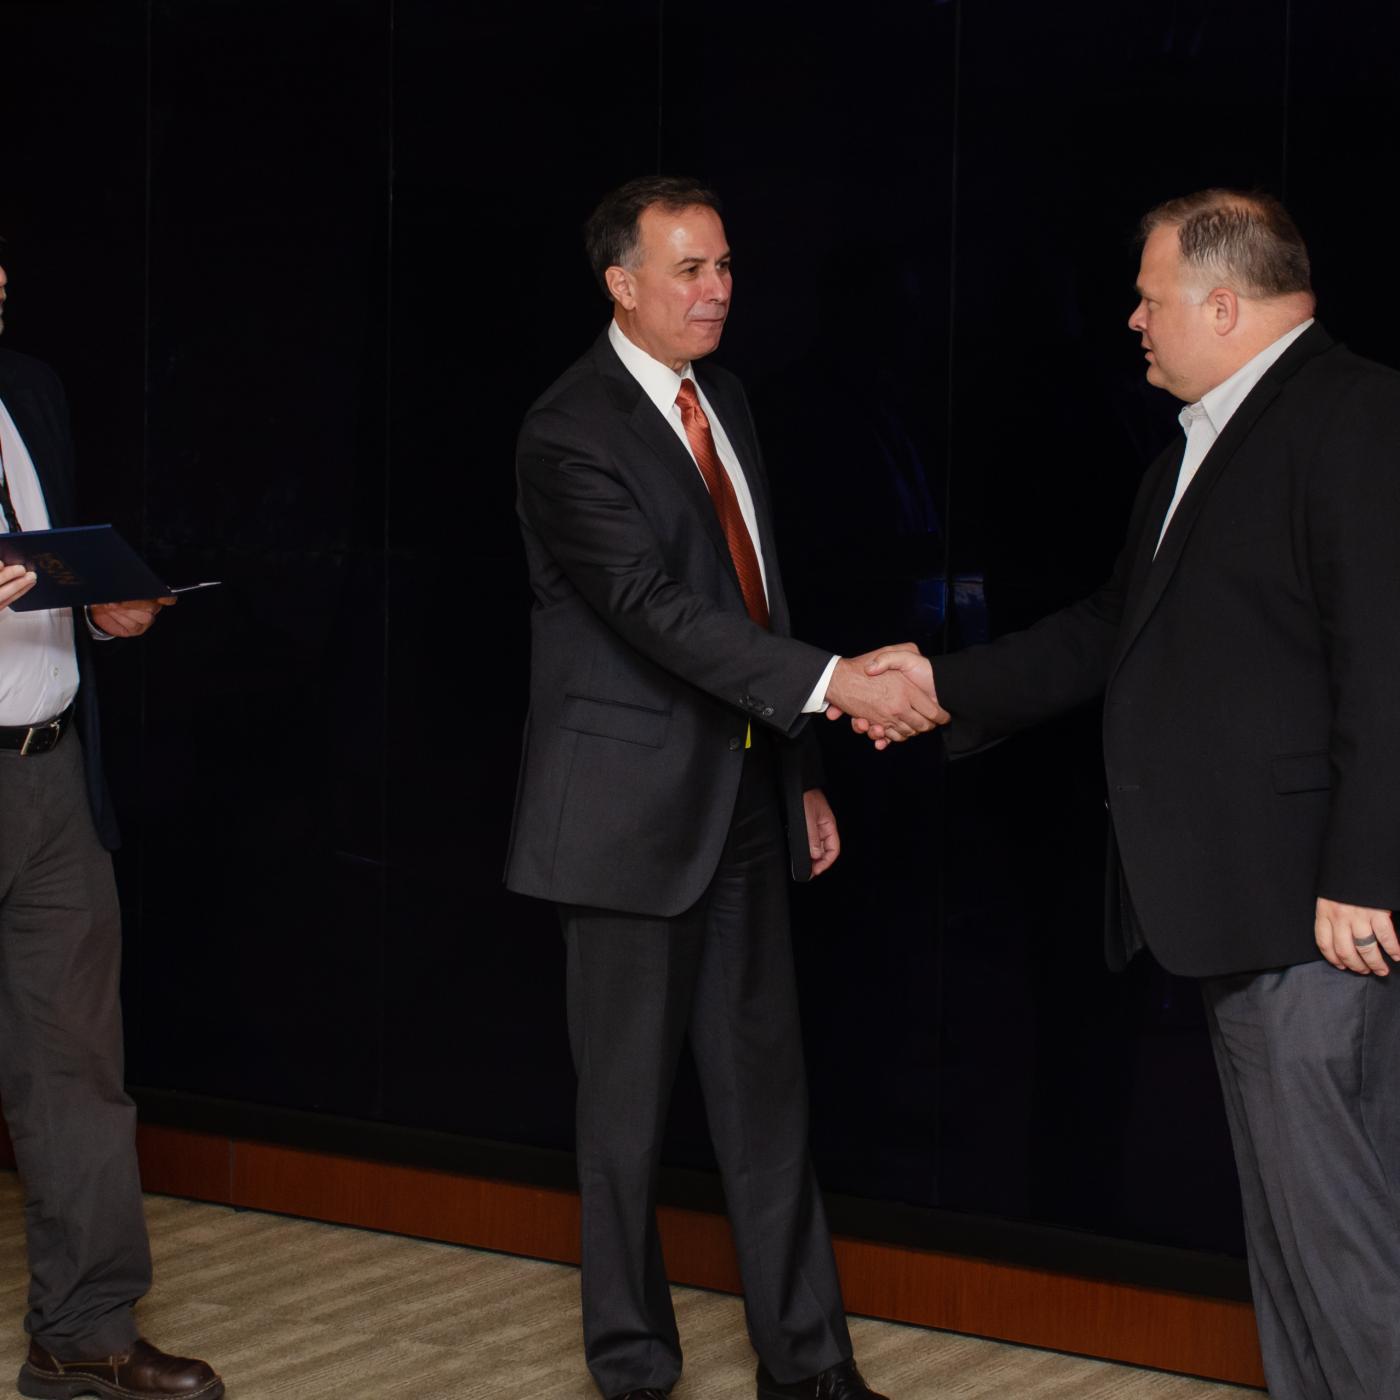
{"points": [[53, 727]]}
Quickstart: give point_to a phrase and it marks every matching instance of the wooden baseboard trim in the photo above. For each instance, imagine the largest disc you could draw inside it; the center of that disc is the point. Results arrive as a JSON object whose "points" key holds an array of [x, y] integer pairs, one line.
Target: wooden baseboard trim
{"points": [[1033, 1307]]}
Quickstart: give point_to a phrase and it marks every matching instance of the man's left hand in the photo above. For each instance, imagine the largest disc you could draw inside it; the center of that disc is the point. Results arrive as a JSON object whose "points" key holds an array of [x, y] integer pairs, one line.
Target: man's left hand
{"points": [[823, 839], [1356, 939], [127, 619]]}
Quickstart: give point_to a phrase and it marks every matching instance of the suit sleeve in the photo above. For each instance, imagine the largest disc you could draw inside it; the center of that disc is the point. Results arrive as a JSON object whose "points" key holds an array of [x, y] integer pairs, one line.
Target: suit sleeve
{"points": [[810, 754], [593, 528], [1353, 515]]}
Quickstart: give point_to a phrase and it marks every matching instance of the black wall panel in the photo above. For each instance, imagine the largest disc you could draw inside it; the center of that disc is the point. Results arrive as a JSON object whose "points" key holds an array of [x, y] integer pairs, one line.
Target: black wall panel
{"points": [[1072, 121], [833, 147], [1343, 108], [263, 843], [305, 266], [497, 162]]}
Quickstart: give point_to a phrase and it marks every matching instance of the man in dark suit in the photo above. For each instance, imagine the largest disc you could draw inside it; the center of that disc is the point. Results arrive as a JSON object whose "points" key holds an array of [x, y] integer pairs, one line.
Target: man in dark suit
{"points": [[665, 750], [1247, 649], [70, 1120]]}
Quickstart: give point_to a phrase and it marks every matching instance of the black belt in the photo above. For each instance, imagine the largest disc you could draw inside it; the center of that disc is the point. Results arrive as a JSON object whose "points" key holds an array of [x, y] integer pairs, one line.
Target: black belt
{"points": [[30, 739]]}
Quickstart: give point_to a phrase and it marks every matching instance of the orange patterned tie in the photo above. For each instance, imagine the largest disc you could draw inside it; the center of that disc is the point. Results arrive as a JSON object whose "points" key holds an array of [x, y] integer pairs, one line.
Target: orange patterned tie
{"points": [[726, 503]]}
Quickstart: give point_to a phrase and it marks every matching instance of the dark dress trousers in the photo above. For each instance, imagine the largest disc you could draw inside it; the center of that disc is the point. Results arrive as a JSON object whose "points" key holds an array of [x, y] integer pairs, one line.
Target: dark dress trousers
{"points": [[662, 838], [61, 1058], [1251, 675]]}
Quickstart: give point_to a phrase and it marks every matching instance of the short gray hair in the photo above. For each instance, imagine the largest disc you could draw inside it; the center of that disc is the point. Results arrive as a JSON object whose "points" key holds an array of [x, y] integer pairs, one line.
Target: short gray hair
{"points": [[1248, 242]]}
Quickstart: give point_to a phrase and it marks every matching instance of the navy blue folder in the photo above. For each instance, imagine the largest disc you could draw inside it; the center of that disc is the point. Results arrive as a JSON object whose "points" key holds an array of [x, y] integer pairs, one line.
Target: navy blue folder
{"points": [[78, 565]]}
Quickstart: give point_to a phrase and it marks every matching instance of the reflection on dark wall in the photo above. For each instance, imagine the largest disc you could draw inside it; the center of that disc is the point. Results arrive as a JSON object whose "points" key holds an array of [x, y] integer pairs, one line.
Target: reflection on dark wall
{"points": [[304, 273]]}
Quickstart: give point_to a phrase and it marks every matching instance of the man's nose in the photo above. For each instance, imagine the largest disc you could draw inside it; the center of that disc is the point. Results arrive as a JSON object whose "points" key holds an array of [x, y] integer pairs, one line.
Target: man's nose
{"points": [[1135, 321]]}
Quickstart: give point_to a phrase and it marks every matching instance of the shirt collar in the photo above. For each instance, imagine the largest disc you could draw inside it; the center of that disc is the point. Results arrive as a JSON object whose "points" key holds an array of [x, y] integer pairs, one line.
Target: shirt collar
{"points": [[660, 382], [1219, 405]]}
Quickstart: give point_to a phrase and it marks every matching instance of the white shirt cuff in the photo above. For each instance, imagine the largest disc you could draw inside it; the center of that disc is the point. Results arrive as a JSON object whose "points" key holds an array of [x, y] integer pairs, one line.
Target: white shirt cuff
{"points": [[98, 635], [816, 701]]}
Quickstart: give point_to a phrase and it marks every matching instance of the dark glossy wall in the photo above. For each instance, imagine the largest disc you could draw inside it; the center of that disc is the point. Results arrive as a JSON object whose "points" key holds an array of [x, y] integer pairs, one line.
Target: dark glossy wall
{"points": [[303, 267]]}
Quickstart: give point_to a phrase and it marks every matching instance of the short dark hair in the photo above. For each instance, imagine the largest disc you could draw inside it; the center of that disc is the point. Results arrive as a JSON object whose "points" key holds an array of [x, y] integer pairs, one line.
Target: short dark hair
{"points": [[611, 233], [1245, 240]]}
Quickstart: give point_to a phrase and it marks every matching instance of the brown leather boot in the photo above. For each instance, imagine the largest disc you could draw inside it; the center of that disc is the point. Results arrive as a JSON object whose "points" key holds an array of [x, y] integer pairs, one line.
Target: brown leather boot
{"points": [[142, 1373]]}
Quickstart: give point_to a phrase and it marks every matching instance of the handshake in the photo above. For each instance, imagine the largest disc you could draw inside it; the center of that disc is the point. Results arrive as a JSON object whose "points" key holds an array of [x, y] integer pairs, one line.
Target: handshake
{"points": [[888, 694]]}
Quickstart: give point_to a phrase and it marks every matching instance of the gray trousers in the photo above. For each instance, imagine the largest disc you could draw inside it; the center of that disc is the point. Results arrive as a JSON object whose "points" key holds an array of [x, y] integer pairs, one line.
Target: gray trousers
{"points": [[1309, 1060], [722, 973], [71, 1122]]}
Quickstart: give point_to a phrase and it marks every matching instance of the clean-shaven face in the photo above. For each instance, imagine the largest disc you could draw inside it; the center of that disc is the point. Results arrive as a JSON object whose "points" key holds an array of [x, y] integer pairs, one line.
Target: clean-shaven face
{"points": [[681, 284], [1173, 320]]}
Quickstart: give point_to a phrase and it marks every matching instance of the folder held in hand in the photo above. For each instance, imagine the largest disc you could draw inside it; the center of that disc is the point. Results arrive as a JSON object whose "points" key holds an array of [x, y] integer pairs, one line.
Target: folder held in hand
{"points": [[79, 565]]}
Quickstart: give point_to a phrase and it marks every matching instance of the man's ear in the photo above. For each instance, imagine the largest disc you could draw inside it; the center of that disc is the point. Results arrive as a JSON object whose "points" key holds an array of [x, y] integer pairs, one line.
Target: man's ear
{"points": [[619, 282], [1223, 307]]}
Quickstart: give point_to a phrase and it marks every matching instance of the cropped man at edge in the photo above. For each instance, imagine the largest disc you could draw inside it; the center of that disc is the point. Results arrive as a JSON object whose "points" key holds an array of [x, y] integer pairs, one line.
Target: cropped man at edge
{"points": [[1247, 649], [665, 749], [61, 1058]]}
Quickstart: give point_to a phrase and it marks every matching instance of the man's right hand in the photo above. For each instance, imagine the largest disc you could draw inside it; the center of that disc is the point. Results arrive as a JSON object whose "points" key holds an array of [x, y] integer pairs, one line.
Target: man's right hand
{"points": [[884, 698], [15, 582], [907, 660]]}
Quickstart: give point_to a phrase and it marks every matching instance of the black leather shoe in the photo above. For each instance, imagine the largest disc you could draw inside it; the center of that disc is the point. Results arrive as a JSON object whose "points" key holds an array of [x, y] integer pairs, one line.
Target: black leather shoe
{"points": [[141, 1373], [650, 1393], [839, 1382]]}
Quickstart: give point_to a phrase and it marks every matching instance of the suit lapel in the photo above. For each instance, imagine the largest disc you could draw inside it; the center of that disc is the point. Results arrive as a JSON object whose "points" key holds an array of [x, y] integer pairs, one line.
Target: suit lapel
{"points": [[31, 422], [735, 419], [1168, 468], [660, 437], [733, 414], [648, 424], [1152, 574]]}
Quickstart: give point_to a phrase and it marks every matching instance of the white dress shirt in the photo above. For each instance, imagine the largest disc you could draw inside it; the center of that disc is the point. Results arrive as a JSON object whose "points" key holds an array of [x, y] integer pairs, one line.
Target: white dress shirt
{"points": [[38, 666], [1204, 420], [661, 384]]}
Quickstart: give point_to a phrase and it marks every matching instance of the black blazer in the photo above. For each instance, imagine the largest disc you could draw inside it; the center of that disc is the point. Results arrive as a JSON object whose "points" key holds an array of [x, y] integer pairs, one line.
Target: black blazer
{"points": [[34, 396], [1251, 673], [645, 668]]}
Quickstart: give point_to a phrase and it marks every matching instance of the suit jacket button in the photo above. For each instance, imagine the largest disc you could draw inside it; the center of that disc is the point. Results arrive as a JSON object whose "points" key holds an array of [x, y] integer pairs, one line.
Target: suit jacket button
{"points": [[767, 712], [735, 744]]}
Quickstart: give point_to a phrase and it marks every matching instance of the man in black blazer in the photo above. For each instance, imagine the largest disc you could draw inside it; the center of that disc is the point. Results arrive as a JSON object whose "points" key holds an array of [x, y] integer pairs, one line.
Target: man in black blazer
{"points": [[70, 1120], [666, 749], [1247, 647]]}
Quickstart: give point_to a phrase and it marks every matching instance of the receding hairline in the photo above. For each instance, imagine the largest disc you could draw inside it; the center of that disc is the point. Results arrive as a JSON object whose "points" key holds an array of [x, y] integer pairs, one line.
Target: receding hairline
{"points": [[1231, 201], [670, 206], [1245, 239]]}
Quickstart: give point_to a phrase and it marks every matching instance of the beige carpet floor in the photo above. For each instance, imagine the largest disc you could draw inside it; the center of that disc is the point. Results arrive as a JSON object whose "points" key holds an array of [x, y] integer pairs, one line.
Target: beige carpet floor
{"points": [[294, 1310]]}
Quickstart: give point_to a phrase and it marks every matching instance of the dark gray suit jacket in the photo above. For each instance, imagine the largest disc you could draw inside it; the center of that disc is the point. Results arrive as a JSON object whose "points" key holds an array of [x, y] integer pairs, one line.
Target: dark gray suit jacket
{"points": [[34, 396], [1250, 672], [645, 668]]}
